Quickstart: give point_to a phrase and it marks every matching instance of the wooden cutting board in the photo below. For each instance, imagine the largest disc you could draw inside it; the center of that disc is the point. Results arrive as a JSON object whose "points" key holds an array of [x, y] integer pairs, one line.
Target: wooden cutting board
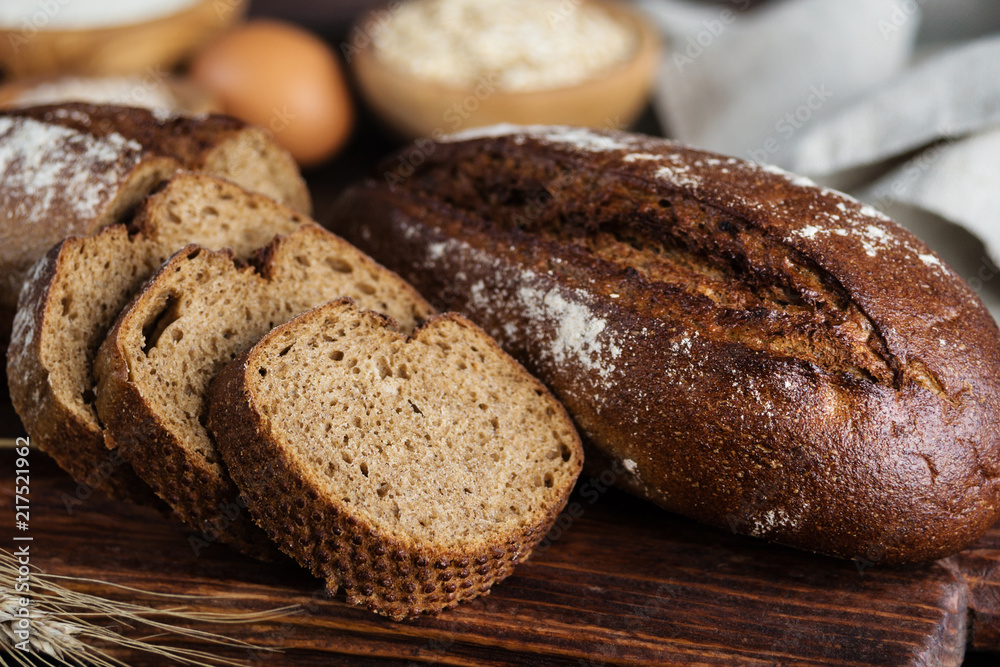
{"points": [[624, 583]]}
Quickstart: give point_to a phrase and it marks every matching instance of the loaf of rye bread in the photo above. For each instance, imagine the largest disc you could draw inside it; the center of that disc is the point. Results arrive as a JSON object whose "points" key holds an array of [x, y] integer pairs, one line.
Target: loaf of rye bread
{"points": [[74, 169], [74, 293], [737, 344]]}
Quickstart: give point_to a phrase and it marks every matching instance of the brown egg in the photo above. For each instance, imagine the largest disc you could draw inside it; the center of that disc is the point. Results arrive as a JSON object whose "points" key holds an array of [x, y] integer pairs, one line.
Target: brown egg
{"points": [[283, 78]]}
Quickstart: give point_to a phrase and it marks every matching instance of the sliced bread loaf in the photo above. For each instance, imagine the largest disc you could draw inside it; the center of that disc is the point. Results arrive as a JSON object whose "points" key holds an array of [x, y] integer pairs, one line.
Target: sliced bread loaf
{"points": [[75, 293], [411, 472], [74, 169], [196, 315]]}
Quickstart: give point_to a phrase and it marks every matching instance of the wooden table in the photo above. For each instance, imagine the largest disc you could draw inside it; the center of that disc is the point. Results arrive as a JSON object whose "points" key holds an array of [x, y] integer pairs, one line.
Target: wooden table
{"points": [[626, 583]]}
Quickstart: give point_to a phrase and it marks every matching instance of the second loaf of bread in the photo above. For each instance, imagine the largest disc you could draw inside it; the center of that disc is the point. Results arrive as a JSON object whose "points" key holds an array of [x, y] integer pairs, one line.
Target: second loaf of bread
{"points": [[73, 169], [741, 346]]}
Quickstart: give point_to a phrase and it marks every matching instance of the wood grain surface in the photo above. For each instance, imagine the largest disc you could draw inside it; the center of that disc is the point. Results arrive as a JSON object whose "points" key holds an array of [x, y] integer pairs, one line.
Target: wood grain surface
{"points": [[624, 583]]}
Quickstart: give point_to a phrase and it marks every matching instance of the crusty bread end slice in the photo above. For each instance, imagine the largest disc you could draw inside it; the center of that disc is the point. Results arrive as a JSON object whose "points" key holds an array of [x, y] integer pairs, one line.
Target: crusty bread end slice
{"points": [[198, 313], [75, 293], [414, 473], [76, 168]]}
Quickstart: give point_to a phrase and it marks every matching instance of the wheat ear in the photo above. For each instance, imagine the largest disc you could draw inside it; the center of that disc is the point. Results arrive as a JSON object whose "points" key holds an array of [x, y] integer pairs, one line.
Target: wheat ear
{"points": [[68, 627]]}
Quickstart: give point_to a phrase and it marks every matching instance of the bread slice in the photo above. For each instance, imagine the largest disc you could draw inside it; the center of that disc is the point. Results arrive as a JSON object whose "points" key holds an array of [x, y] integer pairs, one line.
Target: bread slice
{"points": [[75, 293], [74, 169], [196, 315], [413, 472]]}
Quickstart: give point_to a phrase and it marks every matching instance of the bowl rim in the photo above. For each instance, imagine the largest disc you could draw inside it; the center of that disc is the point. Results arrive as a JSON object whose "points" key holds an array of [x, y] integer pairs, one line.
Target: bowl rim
{"points": [[235, 8], [649, 46]]}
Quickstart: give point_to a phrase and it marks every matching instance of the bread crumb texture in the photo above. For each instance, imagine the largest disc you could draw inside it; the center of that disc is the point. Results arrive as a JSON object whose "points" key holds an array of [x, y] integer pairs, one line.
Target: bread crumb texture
{"points": [[198, 313], [412, 473]]}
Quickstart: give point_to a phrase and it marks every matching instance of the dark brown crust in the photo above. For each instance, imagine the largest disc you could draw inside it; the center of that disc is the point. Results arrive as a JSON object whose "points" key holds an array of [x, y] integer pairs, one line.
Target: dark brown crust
{"points": [[184, 138], [190, 140], [76, 446], [898, 468], [387, 576]]}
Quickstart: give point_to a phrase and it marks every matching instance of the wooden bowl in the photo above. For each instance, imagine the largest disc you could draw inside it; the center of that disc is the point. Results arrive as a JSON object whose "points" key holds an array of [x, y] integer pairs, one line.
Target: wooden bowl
{"points": [[419, 108], [148, 47]]}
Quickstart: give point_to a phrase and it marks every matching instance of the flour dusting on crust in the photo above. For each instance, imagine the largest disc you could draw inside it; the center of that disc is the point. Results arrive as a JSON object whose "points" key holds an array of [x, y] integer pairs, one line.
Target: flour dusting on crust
{"points": [[46, 165], [872, 231], [560, 319], [23, 332], [579, 138], [578, 331]]}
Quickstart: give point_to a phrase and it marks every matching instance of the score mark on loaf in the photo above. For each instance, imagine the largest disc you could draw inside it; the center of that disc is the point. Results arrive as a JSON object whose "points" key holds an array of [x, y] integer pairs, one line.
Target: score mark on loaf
{"points": [[756, 352]]}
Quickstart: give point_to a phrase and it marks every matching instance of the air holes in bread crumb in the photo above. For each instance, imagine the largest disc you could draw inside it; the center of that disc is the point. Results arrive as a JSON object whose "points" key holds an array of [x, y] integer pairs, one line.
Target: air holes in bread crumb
{"points": [[366, 289], [210, 211], [548, 480], [339, 265], [303, 260], [414, 406], [383, 490], [336, 355], [364, 468], [286, 350], [158, 321], [383, 368]]}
